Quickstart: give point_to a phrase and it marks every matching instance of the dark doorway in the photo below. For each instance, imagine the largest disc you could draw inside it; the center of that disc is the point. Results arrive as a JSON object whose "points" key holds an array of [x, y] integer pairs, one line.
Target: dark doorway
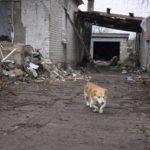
{"points": [[4, 20], [106, 50]]}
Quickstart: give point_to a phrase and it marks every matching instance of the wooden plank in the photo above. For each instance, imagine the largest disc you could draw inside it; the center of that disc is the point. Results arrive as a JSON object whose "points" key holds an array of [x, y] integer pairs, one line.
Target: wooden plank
{"points": [[79, 36]]}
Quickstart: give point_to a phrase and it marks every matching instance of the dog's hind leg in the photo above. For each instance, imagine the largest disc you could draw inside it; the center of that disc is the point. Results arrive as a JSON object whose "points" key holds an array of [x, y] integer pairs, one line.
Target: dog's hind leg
{"points": [[91, 102], [87, 99]]}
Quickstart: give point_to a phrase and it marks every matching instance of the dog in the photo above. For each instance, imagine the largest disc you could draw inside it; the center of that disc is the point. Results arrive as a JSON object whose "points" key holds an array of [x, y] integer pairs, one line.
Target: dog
{"points": [[95, 96]]}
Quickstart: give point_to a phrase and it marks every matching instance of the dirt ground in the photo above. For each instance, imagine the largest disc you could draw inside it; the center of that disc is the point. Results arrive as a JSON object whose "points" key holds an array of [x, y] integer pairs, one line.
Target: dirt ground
{"points": [[53, 116]]}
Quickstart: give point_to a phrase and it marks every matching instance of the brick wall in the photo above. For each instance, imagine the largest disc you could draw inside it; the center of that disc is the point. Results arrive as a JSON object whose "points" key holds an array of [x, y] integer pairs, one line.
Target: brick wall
{"points": [[45, 26], [60, 51], [56, 49]]}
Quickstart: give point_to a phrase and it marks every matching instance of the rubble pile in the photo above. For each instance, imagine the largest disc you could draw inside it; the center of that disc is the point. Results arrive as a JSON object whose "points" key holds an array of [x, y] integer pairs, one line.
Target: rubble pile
{"points": [[133, 71], [131, 61], [34, 67]]}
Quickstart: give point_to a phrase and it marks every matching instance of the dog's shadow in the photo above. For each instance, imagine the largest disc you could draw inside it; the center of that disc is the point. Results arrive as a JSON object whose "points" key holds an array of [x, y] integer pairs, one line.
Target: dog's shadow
{"points": [[107, 111], [114, 110]]}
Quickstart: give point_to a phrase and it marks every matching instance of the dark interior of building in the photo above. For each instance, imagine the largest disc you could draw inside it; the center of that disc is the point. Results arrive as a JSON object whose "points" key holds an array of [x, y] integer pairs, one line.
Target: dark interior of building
{"points": [[106, 50]]}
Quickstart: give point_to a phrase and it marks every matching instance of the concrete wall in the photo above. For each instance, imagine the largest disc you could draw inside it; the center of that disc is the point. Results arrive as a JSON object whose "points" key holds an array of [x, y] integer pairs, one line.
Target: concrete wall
{"points": [[19, 30], [42, 24], [35, 19], [122, 41], [4, 22], [144, 52], [72, 45], [10, 20], [47, 28]]}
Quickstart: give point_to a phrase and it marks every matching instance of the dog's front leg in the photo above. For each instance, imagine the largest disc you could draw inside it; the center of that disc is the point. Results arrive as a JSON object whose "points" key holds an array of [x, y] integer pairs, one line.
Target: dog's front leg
{"points": [[102, 106], [95, 108], [87, 103], [87, 99], [91, 102]]}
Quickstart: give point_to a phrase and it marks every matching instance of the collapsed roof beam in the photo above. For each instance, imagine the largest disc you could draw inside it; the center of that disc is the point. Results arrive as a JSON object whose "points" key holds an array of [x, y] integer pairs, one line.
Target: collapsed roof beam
{"points": [[120, 22]]}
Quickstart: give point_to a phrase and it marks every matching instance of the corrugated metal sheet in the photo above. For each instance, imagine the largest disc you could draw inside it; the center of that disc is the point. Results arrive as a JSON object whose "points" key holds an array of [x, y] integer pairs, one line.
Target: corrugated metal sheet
{"points": [[148, 29]]}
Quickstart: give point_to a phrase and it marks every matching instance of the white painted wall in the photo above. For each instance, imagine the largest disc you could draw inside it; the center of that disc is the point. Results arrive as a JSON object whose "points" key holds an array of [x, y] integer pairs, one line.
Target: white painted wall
{"points": [[35, 19]]}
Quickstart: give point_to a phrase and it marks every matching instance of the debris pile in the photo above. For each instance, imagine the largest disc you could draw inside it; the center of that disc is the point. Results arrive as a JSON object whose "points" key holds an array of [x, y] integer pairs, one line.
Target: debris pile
{"points": [[34, 67], [131, 61], [9, 67]]}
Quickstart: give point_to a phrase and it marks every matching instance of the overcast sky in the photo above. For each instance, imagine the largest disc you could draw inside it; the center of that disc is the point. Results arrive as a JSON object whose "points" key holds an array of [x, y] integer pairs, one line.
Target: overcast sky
{"points": [[121, 7]]}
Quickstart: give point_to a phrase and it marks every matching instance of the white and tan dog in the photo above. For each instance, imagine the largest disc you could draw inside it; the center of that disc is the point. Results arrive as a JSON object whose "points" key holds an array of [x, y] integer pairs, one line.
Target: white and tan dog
{"points": [[95, 96]]}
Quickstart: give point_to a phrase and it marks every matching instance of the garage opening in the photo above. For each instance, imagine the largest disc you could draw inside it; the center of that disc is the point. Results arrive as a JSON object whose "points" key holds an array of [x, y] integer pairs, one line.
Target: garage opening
{"points": [[106, 50]]}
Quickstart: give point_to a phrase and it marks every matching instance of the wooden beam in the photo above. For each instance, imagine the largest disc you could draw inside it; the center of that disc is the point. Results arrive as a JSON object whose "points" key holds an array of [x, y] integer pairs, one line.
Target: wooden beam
{"points": [[120, 22]]}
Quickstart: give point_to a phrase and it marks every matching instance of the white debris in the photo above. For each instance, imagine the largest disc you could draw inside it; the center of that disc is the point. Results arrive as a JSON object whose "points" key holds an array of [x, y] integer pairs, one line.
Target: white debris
{"points": [[34, 73], [124, 72], [33, 66]]}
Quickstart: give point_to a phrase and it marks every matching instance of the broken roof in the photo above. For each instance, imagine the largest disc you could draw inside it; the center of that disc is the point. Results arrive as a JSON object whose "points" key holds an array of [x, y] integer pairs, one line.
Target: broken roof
{"points": [[114, 21]]}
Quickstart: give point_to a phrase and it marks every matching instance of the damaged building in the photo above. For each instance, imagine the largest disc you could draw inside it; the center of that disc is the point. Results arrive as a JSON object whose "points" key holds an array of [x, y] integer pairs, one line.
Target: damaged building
{"points": [[43, 25], [106, 19], [104, 46], [62, 33]]}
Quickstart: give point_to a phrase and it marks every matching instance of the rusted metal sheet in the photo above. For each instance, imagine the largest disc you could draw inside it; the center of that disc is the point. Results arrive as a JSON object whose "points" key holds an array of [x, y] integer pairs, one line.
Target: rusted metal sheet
{"points": [[148, 29]]}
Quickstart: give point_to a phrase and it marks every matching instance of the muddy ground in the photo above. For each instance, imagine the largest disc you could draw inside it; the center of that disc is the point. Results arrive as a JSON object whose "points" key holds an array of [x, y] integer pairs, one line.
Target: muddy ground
{"points": [[53, 116]]}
